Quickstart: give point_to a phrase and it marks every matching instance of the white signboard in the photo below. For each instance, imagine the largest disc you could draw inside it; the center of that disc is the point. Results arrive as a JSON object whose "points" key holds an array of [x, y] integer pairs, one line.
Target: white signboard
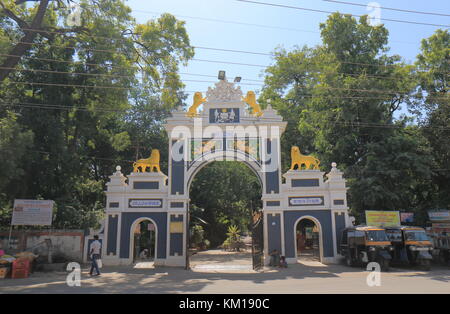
{"points": [[32, 213], [144, 203], [302, 201], [441, 215]]}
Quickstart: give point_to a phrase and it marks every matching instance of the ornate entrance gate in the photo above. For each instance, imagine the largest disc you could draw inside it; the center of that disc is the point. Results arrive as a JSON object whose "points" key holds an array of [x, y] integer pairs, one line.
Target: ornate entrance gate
{"points": [[224, 126]]}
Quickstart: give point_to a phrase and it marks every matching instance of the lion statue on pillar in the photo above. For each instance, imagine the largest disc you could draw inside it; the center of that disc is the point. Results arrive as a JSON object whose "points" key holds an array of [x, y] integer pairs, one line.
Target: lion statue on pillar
{"points": [[298, 159], [151, 162]]}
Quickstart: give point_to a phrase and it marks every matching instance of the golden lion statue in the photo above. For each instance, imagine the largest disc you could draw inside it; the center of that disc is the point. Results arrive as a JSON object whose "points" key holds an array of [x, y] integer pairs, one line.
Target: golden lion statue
{"points": [[250, 99], [299, 160], [151, 162], [198, 100]]}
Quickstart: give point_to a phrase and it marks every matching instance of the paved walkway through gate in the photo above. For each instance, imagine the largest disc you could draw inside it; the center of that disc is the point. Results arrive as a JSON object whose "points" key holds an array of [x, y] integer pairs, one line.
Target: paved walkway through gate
{"points": [[221, 261]]}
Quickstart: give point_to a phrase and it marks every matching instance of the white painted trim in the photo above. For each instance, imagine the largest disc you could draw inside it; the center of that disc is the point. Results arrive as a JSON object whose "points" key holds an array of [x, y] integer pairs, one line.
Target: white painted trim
{"points": [[133, 226], [317, 222], [333, 227]]}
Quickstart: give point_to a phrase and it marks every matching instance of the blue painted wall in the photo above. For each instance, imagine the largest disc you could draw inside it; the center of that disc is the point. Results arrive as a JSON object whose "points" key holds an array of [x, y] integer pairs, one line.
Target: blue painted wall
{"points": [[176, 239], [323, 216], [274, 232], [176, 244], [273, 177], [112, 235], [177, 173], [340, 225], [161, 223]]}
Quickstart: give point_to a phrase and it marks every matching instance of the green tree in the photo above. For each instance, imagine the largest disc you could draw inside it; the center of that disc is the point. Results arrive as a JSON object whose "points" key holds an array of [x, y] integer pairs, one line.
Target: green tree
{"points": [[14, 141], [433, 106], [343, 95], [98, 93], [226, 192]]}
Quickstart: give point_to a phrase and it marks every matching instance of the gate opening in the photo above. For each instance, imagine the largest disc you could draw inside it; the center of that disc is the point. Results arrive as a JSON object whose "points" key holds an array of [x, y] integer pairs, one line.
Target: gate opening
{"points": [[308, 240], [144, 242], [225, 218]]}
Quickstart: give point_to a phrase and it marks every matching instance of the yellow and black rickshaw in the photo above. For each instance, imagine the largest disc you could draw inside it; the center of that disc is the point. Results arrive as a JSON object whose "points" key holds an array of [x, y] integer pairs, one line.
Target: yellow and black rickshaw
{"points": [[411, 246], [362, 244]]}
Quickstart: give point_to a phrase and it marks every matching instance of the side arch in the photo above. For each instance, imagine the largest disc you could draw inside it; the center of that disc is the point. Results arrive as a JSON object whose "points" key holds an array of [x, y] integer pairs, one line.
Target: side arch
{"points": [[132, 244], [317, 223]]}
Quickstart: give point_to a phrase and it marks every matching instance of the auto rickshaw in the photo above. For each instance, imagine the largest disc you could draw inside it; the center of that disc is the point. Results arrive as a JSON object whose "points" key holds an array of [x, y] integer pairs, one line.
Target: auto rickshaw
{"points": [[411, 246], [362, 244], [441, 244]]}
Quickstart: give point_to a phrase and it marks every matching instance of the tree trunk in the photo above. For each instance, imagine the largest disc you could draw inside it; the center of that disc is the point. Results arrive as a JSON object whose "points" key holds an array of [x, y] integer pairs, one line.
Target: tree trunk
{"points": [[25, 43]]}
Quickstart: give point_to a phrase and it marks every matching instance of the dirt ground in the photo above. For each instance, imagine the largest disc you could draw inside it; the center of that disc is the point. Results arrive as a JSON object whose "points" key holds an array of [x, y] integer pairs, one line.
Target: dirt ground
{"points": [[232, 273]]}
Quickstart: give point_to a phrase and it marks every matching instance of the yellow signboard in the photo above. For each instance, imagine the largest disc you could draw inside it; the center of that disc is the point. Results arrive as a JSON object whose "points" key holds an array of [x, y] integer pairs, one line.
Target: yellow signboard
{"points": [[380, 218], [176, 227]]}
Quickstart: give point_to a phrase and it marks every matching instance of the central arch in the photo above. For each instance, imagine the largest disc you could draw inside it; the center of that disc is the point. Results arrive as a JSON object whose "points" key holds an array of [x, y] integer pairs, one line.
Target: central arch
{"points": [[236, 156], [132, 245], [316, 222], [209, 157]]}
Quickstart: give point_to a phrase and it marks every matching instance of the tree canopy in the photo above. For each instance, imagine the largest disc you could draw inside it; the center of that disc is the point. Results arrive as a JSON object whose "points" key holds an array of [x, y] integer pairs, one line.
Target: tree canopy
{"points": [[77, 99]]}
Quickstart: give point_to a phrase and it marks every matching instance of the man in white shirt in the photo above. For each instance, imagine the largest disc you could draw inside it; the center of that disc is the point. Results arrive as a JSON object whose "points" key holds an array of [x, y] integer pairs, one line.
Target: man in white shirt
{"points": [[96, 247]]}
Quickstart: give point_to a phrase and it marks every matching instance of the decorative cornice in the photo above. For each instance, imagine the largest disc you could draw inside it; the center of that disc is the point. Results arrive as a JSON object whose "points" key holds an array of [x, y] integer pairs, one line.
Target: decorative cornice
{"points": [[224, 91]]}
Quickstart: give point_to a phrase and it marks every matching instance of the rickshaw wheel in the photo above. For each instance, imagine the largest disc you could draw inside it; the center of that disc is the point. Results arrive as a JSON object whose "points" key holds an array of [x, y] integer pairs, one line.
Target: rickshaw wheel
{"points": [[348, 260], [426, 265], [384, 264], [443, 258]]}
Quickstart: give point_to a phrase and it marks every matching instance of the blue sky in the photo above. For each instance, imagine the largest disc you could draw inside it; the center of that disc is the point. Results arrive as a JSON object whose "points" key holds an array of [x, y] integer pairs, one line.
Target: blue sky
{"points": [[291, 28]]}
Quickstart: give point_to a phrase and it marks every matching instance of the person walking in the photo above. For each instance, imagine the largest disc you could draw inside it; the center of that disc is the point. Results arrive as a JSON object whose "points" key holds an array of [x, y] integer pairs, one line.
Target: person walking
{"points": [[96, 247]]}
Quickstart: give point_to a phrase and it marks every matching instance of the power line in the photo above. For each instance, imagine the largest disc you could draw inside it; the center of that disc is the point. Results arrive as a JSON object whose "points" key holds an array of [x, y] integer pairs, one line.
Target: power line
{"points": [[212, 61], [328, 88], [250, 24], [200, 81], [113, 75], [205, 19], [106, 66], [231, 22], [330, 12], [185, 73], [74, 108], [390, 9]]}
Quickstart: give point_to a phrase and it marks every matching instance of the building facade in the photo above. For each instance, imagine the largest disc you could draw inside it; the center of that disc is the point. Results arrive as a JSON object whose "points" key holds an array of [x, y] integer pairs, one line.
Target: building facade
{"points": [[225, 129]]}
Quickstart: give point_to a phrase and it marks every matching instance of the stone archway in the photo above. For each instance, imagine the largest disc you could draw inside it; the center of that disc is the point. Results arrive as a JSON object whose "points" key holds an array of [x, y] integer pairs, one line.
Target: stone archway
{"points": [[132, 246], [316, 224], [217, 258]]}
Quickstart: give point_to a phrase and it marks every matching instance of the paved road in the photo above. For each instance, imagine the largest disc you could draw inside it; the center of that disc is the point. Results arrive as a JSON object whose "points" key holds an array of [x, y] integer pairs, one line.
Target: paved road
{"points": [[309, 278]]}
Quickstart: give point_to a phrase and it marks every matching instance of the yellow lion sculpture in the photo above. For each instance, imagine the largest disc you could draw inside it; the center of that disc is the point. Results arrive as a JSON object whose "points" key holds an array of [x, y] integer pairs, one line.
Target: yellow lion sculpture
{"points": [[198, 100], [298, 160], [151, 162], [250, 99]]}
